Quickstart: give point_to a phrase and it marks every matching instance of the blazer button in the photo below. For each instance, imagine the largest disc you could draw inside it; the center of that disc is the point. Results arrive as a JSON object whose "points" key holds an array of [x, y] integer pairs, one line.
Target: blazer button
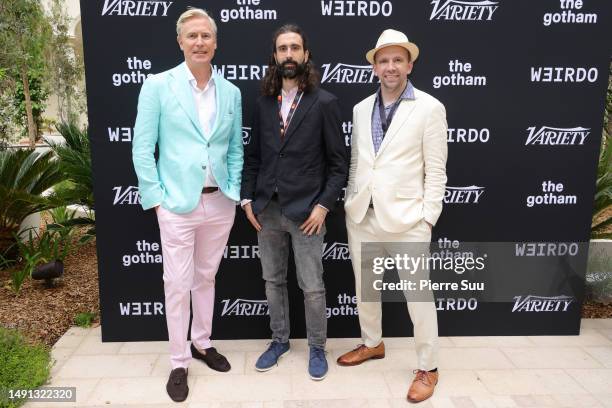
{"points": [[208, 145], [281, 155], [203, 167]]}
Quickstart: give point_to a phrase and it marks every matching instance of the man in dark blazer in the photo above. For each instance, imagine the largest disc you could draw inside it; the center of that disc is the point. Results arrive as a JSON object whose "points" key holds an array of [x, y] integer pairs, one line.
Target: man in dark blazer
{"points": [[295, 168]]}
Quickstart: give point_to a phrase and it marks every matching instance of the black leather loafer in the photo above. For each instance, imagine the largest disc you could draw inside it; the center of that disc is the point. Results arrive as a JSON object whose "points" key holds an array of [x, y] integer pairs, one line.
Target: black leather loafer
{"points": [[177, 385], [212, 359]]}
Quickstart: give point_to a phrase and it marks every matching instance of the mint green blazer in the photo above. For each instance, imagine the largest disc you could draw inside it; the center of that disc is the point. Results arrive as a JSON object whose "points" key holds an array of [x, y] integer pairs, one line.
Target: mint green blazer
{"points": [[167, 118]]}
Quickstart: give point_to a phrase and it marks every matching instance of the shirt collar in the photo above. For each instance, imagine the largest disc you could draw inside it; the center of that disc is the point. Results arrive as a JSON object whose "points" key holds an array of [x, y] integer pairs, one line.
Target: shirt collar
{"points": [[407, 94], [289, 93], [193, 82]]}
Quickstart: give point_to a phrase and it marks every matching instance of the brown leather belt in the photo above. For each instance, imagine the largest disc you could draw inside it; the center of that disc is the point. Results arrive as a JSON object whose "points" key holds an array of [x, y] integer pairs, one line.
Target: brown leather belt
{"points": [[208, 190]]}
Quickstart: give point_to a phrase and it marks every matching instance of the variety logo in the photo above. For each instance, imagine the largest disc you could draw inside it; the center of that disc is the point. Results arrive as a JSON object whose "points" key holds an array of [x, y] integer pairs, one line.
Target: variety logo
{"points": [[533, 303], [463, 195], [347, 74], [127, 195], [244, 307], [336, 251], [136, 8], [356, 8], [550, 136], [463, 10]]}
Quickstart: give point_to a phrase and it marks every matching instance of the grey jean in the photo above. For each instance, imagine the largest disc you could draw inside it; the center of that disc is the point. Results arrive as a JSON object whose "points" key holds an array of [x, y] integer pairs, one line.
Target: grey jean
{"points": [[274, 238]]}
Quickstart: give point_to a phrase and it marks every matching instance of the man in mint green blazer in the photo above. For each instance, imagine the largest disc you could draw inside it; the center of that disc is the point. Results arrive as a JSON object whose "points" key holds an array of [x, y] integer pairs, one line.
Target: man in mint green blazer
{"points": [[195, 118]]}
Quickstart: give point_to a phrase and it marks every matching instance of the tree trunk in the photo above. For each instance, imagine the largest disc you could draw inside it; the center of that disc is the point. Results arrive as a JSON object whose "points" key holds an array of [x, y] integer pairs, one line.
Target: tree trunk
{"points": [[28, 103]]}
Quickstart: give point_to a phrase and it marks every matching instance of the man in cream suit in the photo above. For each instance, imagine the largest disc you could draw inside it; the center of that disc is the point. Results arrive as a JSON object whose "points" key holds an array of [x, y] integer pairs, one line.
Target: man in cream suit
{"points": [[195, 118], [397, 178]]}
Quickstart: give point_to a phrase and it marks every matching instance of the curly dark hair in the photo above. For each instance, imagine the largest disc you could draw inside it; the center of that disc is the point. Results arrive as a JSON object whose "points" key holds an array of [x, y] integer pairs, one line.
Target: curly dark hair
{"points": [[272, 82]]}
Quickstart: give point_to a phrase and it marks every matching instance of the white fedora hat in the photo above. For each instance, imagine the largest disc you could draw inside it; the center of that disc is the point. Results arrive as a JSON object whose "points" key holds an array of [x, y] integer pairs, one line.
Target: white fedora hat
{"points": [[393, 37]]}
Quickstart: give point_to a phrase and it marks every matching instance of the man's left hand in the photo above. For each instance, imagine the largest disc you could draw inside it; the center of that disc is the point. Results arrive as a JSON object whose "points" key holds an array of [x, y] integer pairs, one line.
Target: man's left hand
{"points": [[314, 223]]}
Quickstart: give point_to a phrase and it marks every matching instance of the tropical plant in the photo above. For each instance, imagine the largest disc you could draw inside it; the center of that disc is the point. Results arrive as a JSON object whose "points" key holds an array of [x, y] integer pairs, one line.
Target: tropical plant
{"points": [[75, 164], [602, 213], [38, 249], [61, 215], [31, 258], [24, 176]]}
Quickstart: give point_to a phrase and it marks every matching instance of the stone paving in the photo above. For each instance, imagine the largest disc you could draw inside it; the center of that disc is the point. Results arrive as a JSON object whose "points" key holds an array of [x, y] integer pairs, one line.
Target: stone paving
{"points": [[487, 372]]}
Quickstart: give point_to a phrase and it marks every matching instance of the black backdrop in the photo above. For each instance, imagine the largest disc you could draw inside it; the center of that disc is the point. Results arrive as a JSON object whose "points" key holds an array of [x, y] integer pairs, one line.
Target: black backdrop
{"points": [[527, 109]]}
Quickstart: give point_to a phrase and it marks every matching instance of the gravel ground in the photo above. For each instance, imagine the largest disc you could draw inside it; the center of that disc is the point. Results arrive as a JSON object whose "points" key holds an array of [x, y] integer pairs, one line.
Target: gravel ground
{"points": [[44, 314]]}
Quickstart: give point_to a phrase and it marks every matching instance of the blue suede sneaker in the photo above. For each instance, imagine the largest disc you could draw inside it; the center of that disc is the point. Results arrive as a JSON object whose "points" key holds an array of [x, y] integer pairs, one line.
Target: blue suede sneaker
{"points": [[317, 365], [270, 357]]}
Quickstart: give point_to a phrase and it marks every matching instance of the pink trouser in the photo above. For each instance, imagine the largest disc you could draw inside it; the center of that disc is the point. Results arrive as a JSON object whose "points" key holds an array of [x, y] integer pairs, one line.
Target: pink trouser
{"points": [[192, 247]]}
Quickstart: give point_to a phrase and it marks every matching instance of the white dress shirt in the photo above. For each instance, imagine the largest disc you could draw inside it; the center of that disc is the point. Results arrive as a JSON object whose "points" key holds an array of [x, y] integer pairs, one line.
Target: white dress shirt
{"points": [[206, 108], [288, 98]]}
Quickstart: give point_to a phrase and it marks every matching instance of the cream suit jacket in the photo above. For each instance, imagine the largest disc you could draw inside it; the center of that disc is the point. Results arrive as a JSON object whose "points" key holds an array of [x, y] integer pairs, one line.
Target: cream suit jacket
{"points": [[406, 179]]}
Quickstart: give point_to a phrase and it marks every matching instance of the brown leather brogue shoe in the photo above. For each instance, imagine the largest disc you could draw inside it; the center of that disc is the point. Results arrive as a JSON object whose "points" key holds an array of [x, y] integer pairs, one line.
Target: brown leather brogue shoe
{"points": [[422, 386], [361, 354]]}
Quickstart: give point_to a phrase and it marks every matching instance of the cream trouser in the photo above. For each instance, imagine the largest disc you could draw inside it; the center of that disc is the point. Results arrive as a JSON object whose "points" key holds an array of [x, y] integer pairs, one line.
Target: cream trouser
{"points": [[422, 313]]}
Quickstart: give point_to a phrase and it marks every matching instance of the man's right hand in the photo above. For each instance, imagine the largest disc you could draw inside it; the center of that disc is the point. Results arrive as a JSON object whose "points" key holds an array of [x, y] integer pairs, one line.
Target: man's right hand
{"points": [[251, 216]]}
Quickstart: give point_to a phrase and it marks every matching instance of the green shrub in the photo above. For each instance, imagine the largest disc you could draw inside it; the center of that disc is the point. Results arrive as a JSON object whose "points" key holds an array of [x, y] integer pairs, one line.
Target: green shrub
{"points": [[53, 244], [24, 176], [22, 366], [84, 319]]}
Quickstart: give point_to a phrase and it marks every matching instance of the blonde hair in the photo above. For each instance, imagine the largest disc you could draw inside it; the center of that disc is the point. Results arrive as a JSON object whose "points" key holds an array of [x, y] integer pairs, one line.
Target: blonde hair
{"points": [[191, 13]]}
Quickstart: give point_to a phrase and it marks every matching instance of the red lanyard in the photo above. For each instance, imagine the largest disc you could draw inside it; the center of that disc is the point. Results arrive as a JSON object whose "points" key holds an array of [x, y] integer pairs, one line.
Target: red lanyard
{"points": [[284, 125]]}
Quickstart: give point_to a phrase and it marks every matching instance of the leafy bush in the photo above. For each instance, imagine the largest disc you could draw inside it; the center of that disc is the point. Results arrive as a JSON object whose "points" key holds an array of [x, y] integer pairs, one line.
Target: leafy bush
{"points": [[24, 175], [53, 244], [22, 366], [84, 319], [602, 213], [75, 165]]}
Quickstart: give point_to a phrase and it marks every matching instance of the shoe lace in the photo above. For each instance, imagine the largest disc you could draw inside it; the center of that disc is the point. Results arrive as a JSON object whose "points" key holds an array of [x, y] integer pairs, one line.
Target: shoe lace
{"points": [[359, 347], [317, 353], [275, 347], [421, 375]]}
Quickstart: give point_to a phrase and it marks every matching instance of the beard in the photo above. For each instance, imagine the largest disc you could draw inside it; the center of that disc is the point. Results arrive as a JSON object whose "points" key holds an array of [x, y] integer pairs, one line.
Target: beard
{"points": [[290, 72]]}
